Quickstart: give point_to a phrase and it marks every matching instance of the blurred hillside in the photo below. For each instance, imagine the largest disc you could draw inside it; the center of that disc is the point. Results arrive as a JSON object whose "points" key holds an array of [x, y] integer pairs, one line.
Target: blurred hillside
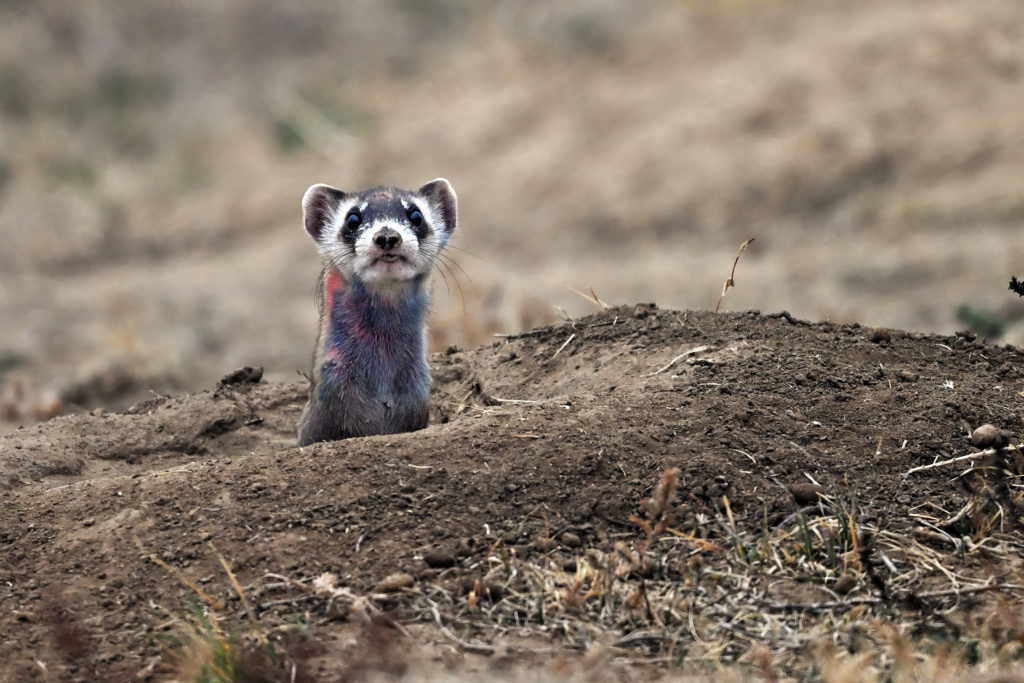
{"points": [[153, 156]]}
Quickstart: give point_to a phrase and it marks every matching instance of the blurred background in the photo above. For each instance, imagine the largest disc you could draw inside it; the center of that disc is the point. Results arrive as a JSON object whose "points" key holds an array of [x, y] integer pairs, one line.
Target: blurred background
{"points": [[153, 156]]}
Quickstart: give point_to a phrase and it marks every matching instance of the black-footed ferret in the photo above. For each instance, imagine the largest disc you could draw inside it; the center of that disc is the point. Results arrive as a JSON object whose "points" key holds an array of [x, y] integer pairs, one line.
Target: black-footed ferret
{"points": [[370, 373]]}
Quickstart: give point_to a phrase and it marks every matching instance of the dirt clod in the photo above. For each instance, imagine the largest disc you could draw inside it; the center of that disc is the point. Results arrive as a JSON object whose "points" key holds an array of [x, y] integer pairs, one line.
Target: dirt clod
{"points": [[806, 493], [242, 376], [439, 558], [990, 436], [878, 334], [845, 584]]}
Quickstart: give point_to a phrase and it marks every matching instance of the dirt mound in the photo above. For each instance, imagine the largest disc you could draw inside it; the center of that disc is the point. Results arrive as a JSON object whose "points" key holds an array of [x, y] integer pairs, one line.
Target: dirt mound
{"points": [[541, 448]]}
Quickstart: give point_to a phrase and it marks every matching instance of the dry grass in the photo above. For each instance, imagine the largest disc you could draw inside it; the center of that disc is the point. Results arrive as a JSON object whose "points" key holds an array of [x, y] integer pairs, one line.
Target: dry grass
{"points": [[202, 650], [823, 595]]}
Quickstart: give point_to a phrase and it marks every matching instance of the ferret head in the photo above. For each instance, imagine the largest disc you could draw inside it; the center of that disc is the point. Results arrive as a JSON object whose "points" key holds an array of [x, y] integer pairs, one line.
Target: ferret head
{"points": [[384, 236]]}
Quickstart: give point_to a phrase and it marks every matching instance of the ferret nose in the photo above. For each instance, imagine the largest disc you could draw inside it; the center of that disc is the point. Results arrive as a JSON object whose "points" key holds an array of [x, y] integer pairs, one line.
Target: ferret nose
{"points": [[387, 239]]}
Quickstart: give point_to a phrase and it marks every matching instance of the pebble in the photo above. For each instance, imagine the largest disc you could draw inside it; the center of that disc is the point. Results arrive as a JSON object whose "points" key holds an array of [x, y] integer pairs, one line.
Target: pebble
{"points": [[846, 583], [439, 558], [990, 436], [544, 544], [805, 494], [571, 540], [395, 582], [878, 334], [246, 375]]}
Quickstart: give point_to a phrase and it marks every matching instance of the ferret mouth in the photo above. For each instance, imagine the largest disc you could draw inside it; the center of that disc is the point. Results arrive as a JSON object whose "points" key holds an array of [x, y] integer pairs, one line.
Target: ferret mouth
{"points": [[389, 258]]}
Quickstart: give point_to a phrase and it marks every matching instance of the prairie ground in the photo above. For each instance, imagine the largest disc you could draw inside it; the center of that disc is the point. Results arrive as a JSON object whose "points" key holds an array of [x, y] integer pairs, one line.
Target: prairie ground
{"points": [[587, 501]]}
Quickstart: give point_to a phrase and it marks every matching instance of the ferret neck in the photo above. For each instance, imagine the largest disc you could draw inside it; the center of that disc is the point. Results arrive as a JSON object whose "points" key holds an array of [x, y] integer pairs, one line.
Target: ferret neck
{"points": [[356, 313]]}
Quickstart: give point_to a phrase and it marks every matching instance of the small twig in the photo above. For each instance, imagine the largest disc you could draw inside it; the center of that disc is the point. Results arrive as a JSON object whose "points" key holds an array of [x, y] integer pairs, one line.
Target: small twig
{"points": [[639, 636], [571, 337], [512, 400], [971, 456], [699, 349], [473, 648], [964, 511], [288, 601], [241, 593], [592, 297], [973, 589], [731, 282]]}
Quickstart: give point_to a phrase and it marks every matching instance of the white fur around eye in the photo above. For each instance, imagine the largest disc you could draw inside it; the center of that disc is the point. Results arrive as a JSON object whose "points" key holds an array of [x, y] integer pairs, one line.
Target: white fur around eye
{"points": [[431, 216], [329, 237]]}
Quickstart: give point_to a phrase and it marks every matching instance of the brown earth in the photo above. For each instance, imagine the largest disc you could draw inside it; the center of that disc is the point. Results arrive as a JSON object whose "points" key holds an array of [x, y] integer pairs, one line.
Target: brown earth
{"points": [[541, 448]]}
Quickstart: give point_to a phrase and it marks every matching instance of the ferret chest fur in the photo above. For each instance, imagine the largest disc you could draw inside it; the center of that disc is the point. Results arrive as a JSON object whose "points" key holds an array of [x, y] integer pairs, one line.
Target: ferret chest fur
{"points": [[371, 362]]}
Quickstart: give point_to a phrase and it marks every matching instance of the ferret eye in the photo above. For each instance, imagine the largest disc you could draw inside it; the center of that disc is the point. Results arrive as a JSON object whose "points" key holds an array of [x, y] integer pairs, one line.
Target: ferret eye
{"points": [[416, 218], [353, 221]]}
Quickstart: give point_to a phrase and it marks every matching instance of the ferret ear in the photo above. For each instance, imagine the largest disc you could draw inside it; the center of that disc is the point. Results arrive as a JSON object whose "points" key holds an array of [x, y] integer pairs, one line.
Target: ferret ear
{"points": [[319, 205], [442, 199]]}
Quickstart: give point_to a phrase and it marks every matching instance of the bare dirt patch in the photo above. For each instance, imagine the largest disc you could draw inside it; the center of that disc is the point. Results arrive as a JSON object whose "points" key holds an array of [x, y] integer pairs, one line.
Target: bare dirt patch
{"points": [[511, 512]]}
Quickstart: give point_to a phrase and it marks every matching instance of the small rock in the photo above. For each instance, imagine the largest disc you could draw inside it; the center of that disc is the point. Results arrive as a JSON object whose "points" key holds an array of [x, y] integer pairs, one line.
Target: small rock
{"points": [[544, 545], [805, 494], [246, 375], [571, 540], [394, 583], [845, 584], [989, 436], [878, 334], [800, 379], [89, 522], [439, 558]]}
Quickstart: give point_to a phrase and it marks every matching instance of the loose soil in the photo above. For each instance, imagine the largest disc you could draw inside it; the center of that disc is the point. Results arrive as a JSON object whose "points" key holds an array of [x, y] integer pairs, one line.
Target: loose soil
{"points": [[541, 448]]}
